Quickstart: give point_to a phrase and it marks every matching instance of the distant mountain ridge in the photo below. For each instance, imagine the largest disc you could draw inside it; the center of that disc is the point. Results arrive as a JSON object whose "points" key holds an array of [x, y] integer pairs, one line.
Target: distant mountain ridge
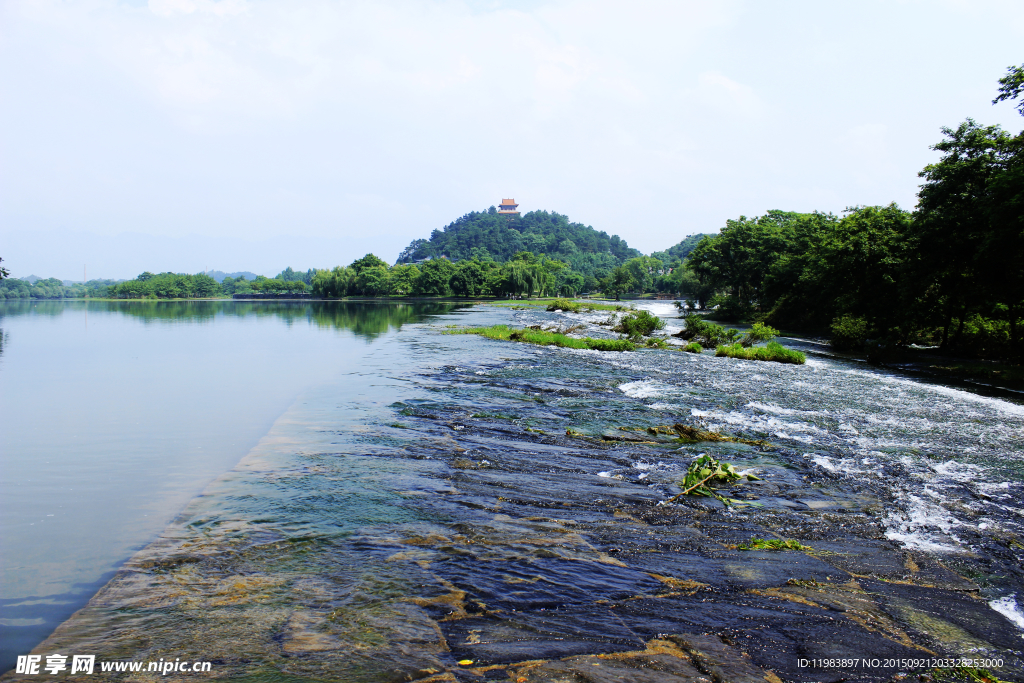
{"points": [[219, 275], [488, 235]]}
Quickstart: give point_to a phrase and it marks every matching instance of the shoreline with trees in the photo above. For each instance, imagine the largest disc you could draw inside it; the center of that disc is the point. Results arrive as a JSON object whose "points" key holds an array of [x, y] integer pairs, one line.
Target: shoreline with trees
{"points": [[877, 280]]}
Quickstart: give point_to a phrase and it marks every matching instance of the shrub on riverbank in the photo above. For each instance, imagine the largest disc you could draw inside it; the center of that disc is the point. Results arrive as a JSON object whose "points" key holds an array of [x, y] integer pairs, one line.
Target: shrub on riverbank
{"points": [[772, 352], [693, 347], [543, 338], [849, 333]]}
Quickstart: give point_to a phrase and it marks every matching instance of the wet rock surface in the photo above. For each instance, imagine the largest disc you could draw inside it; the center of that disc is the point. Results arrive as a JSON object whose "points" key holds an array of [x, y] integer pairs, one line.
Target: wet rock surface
{"points": [[454, 531]]}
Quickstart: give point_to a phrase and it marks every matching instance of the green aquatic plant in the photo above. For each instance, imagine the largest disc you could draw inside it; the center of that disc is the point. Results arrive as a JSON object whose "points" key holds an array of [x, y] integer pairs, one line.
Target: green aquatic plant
{"points": [[543, 338], [693, 347], [636, 324], [772, 352], [705, 472], [772, 544]]}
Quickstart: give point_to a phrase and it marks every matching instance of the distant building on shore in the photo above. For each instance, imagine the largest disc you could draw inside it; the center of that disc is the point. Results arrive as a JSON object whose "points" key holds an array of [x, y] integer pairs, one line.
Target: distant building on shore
{"points": [[508, 208]]}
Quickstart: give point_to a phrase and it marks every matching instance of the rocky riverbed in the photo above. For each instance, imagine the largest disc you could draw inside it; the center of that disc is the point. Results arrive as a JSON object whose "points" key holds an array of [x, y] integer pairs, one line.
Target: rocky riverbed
{"points": [[470, 510]]}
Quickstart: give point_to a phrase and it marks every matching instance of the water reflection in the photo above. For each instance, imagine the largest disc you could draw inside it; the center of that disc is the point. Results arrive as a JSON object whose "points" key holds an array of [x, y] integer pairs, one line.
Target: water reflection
{"points": [[369, 320]]}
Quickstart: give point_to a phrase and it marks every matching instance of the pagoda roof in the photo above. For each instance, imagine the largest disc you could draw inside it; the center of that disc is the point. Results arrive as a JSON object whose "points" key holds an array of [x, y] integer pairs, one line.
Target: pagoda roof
{"points": [[508, 202]]}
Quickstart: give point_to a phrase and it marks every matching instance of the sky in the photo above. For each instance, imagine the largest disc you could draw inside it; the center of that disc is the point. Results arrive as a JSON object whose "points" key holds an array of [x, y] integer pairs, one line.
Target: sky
{"points": [[186, 135]]}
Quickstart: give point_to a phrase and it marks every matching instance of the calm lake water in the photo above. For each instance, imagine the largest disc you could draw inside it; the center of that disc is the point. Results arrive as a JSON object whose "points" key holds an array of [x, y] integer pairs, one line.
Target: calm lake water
{"points": [[114, 415], [343, 491]]}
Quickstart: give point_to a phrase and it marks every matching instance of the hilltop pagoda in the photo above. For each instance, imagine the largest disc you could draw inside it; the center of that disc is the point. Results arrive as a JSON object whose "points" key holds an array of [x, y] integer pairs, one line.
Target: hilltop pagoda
{"points": [[508, 208]]}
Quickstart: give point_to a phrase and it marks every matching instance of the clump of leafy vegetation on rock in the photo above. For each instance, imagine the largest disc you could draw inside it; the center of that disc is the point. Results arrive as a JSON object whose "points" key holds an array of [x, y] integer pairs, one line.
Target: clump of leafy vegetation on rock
{"points": [[693, 347], [704, 473]]}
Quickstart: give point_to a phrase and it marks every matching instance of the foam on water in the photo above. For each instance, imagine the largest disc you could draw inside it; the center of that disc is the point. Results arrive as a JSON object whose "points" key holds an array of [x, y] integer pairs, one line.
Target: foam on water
{"points": [[923, 525], [772, 408], [660, 308], [1009, 608], [644, 389], [943, 453], [958, 471]]}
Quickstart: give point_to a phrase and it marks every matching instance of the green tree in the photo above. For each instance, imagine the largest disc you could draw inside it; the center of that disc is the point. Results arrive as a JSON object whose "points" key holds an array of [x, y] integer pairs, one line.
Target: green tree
{"points": [[402, 279], [368, 261], [569, 283], [643, 270], [953, 219], [618, 281], [333, 283], [435, 278], [205, 285], [1011, 86], [372, 280], [468, 279]]}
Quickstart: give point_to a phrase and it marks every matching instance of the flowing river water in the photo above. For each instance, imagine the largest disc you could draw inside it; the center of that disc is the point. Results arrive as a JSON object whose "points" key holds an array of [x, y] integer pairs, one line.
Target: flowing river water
{"points": [[449, 507]]}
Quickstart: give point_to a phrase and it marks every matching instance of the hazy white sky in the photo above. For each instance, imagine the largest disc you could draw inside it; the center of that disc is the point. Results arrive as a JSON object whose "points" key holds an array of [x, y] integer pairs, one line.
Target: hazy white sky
{"points": [[254, 134]]}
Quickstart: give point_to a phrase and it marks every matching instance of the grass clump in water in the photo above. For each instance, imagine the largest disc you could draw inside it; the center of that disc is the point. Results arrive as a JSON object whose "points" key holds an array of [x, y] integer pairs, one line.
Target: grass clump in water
{"points": [[565, 305], [577, 306], [543, 338], [772, 352], [772, 544], [708, 334], [636, 324], [693, 347], [655, 343]]}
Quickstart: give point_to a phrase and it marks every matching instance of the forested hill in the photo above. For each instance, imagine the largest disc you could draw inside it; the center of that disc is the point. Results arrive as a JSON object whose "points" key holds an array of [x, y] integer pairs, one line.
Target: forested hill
{"points": [[487, 235], [680, 251]]}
